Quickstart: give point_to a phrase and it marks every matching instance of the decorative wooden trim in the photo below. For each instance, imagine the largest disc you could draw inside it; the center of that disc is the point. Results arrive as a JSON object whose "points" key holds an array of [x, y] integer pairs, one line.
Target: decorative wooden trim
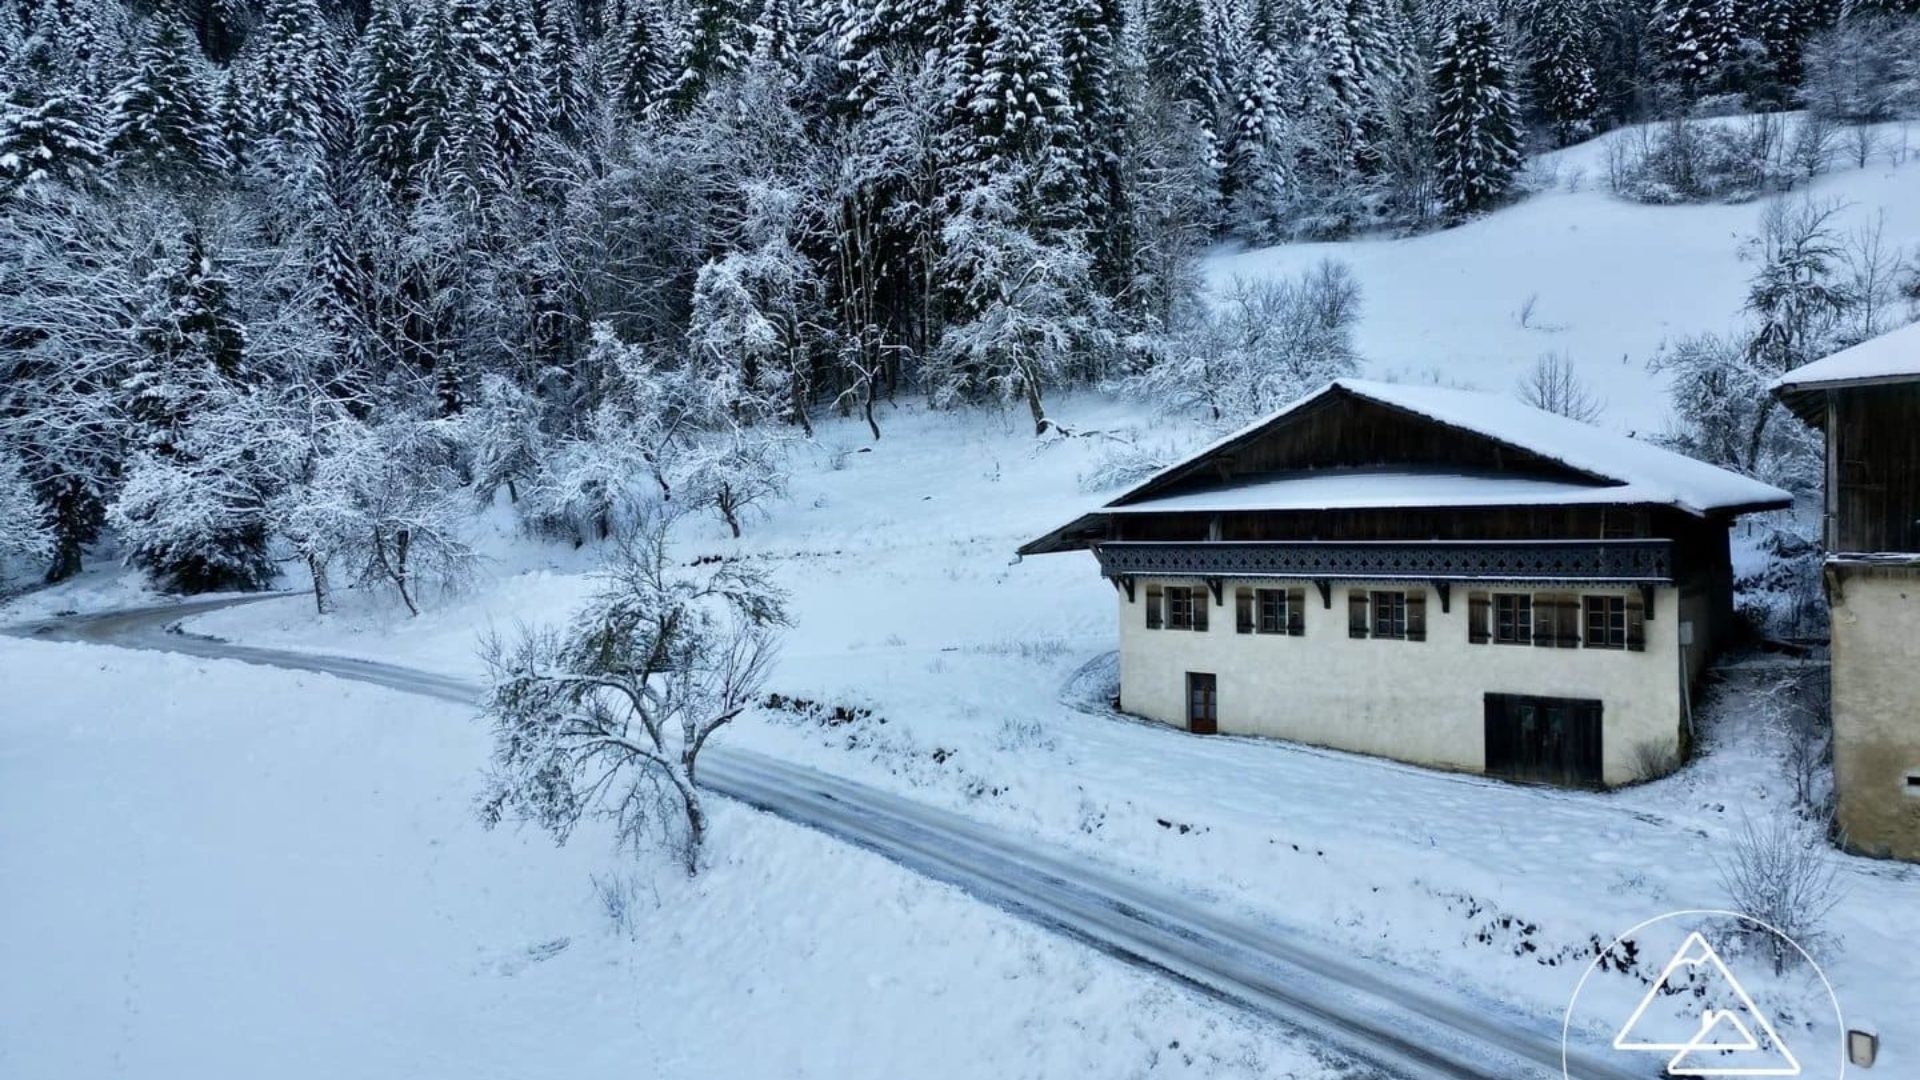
{"points": [[1218, 589], [1326, 592], [1445, 589], [1619, 562]]}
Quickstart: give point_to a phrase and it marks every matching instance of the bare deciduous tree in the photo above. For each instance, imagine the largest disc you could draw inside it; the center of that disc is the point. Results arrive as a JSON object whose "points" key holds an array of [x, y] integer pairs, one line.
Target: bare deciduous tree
{"points": [[1552, 385], [607, 718], [1778, 872]]}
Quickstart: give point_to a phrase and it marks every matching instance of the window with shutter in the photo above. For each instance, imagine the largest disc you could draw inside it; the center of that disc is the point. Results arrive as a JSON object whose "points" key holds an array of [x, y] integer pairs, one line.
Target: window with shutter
{"points": [[1356, 613], [1636, 624], [1606, 622], [1179, 607], [1477, 613], [1296, 612], [1243, 610], [1416, 616], [1512, 618], [1156, 607], [1273, 611], [1389, 614]]}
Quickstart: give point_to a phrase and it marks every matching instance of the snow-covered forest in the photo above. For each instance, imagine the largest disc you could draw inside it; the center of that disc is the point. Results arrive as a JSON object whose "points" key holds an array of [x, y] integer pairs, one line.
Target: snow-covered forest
{"points": [[305, 280]]}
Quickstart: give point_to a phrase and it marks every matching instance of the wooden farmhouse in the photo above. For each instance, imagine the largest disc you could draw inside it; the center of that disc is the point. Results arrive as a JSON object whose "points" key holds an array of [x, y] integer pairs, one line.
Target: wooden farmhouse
{"points": [[1867, 401], [1444, 577]]}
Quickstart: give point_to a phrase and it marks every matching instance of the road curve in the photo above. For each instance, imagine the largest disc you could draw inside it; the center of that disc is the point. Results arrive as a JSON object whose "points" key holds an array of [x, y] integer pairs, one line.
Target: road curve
{"points": [[1348, 1005]]}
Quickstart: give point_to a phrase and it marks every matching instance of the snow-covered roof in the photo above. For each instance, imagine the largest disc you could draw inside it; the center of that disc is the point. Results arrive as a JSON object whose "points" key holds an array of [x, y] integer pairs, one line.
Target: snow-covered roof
{"points": [[1606, 469], [1657, 475], [1890, 358], [1365, 489]]}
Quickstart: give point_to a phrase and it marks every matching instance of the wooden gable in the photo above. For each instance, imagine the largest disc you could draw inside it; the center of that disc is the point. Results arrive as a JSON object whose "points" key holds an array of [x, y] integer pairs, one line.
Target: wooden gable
{"points": [[1341, 429]]}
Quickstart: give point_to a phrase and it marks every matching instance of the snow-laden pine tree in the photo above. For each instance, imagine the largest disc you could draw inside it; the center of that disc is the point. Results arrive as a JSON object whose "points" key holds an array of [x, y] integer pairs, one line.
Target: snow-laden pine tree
{"points": [[1476, 124], [163, 119], [565, 90], [715, 42], [1256, 179], [638, 73], [1561, 79], [294, 84], [1014, 111], [1181, 60], [193, 511], [1696, 40], [49, 128], [24, 534], [1093, 53], [389, 111], [778, 38]]}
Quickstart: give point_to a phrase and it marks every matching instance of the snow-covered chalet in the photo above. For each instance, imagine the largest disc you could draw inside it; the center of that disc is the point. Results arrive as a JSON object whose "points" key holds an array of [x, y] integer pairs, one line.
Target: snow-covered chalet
{"points": [[1444, 577]]}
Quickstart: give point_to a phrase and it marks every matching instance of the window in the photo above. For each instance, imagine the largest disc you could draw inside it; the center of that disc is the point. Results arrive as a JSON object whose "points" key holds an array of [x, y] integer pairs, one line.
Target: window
{"points": [[1606, 622], [1556, 620], [1179, 607], [1186, 607], [1386, 613], [1512, 619], [1616, 622], [1282, 611]]}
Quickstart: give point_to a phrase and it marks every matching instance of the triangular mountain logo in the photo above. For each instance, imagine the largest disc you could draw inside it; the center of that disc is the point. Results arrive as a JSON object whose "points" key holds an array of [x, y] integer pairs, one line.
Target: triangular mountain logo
{"points": [[1728, 1042]]}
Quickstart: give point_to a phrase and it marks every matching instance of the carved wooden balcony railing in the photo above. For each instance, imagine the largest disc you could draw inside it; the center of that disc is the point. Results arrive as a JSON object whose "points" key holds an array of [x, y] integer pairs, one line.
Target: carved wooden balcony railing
{"points": [[1628, 562]]}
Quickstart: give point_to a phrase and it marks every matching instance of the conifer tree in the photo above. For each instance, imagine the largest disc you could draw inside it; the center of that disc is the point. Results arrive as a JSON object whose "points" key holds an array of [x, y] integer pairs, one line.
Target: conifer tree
{"points": [[715, 44], [776, 37], [1180, 57], [637, 78], [389, 111], [163, 118], [1476, 127], [564, 93], [1695, 39], [1092, 37], [1560, 72], [48, 129], [1255, 180]]}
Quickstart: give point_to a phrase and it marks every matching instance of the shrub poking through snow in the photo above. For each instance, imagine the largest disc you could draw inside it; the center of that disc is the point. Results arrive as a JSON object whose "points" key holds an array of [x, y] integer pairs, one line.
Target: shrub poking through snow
{"points": [[607, 717], [1778, 872]]}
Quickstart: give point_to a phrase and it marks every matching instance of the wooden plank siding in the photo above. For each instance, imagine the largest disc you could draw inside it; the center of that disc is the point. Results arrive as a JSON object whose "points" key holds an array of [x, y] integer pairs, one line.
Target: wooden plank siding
{"points": [[1873, 500]]}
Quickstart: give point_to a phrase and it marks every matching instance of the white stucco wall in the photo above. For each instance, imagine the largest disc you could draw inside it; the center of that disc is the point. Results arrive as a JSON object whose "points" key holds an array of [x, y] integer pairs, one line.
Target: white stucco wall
{"points": [[1418, 701], [1876, 705]]}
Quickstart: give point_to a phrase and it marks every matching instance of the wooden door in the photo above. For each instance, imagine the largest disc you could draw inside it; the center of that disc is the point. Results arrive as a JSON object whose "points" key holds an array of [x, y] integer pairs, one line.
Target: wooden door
{"points": [[1544, 740], [1203, 703]]}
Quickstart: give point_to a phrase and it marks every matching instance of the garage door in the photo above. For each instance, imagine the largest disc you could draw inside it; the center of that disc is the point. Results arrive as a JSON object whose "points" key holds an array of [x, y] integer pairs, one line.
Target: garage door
{"points": [[1544, 740]]}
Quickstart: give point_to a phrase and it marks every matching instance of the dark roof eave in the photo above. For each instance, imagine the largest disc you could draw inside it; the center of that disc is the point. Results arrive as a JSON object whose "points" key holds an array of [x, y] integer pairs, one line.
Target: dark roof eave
{"points": [[1076, 535]]}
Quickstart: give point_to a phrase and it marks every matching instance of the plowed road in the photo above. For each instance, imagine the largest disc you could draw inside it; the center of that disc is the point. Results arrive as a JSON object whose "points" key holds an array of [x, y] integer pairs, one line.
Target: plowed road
{"points": [[1351, 1006]]}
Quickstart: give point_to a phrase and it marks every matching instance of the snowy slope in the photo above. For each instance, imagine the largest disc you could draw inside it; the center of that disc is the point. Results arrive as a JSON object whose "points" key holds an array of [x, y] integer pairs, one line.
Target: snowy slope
{"points": [[196, 886], [1609, 280]]}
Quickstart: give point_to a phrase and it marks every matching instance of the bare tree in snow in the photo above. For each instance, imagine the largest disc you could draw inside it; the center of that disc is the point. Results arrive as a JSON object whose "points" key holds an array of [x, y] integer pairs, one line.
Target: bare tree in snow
{"points": [[1778, 871], [607, 717], [23, 528], [1553, 385]]}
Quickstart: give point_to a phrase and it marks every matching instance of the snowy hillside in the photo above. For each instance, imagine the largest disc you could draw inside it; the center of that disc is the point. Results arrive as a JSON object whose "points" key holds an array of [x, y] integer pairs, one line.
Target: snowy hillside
{"points": [[1572, 268]]}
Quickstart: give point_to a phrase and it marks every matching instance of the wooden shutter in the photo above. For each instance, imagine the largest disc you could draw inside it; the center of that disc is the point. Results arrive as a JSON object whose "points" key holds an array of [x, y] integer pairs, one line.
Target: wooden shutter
{"points": [[1417, 615], [1156, 607], [1478, 614], [1568, 623], [1636, 624], [1356, 613], [1544, 609], [1296, 612], [1243, 610], [1201, 599]]}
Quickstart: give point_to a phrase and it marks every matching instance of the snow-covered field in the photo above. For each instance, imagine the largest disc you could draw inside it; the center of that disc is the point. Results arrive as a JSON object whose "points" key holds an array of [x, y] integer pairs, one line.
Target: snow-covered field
{"points": [[979, 678], [214, 870], [1572, 269]]}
